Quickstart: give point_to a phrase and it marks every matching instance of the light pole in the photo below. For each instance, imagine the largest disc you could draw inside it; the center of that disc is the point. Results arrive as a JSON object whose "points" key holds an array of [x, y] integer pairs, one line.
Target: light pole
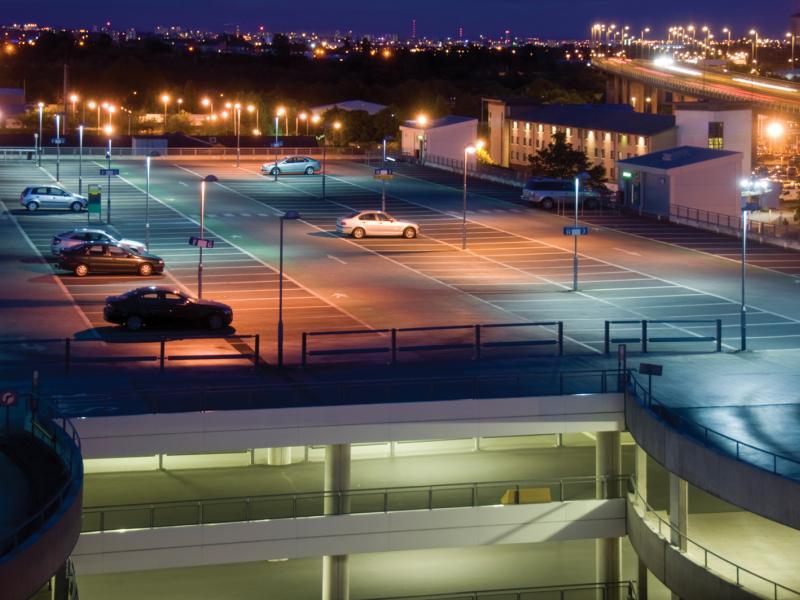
{"points": [[754, 55], [80, 159], [238, 108], [422, 121], [40, 106], [728, 32], [149, 156], [792, 36], [579, 179], [109, 130], [208, 104], [468, 150], [206, 179], [165, 100], [290, 215], [58, 147], [74, 99], [751, 193], [303, 117], [337, 126], [278, 114]]}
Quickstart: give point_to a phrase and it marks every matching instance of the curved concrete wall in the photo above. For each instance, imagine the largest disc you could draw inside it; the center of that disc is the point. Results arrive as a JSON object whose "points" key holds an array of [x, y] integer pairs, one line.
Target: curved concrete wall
{"points": [[748, 487], [684, 577]]}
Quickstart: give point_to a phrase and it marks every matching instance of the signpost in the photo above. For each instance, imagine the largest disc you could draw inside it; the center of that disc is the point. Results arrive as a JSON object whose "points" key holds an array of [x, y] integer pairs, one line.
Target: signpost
{"points": [[109, 172], [201, 242], [383, 174], [93, 206], [57, 141], [572, 230]]}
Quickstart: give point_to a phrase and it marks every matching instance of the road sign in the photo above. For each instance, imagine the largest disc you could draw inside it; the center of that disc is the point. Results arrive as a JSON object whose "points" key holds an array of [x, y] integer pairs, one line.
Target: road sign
{"points": [[57, 141], [383, 174], [650, 369], [8, 398], [277, 144], [94, 196], [576, 230], [109, 171], [201, 242]]}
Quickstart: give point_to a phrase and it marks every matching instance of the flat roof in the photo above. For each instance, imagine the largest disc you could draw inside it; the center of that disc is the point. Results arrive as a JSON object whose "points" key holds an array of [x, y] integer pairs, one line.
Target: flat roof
{"points": [[676, 157], [440, 122], [610, 117]]}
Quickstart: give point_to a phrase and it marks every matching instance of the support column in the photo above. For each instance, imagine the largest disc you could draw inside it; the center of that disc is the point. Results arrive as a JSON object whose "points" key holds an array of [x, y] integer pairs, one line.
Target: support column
{"points": [[608, 551], [336, 569], [641, 581], [279, 456], [678, 511], [640, 469], [61, 584]]}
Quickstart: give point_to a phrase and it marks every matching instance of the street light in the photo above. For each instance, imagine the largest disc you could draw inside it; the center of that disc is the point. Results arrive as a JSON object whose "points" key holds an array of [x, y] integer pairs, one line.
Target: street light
{"points": [[751, 190], [336, 126], [753, 55], [727, 31], [150, 155], [793, 37], [278, 114], [74, 99], [580, 178], [109, 130], [58, 147], [208, 104], [238, 126], [303, 116], [40, 106], [205, 180], [468, 150], [92, 106], [165, 100], [289, 215], [80, 159], [422, 121]]}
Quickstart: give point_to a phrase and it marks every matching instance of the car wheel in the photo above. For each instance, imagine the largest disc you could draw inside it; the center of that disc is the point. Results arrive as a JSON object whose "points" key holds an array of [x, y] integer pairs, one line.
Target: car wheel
{"points": [[590, 204], [134, 323], [215, 321], [275, 171], [81, 270], [76, 207], [358, 233], [32, 206], [309, 170], [145, 269], [548, 203], [409, 233]]}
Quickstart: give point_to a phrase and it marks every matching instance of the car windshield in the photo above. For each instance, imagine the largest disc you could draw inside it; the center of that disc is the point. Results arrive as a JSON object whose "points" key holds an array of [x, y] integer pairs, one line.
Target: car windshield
{"points": [[134, 251], [352, 215]]}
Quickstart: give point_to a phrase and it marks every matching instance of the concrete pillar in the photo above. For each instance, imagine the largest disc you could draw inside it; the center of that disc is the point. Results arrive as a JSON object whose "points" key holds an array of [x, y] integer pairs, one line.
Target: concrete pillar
{"points": [[640, 469], [336, 569], [61, 583], [608, 463], [279, 456], [678, 511], [641, 581]]}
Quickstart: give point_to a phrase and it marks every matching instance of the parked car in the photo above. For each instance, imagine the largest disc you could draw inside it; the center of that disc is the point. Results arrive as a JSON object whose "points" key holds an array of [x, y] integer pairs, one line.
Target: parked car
{"points": [[76, 237], [108, 257], [547, 193], [291, 165], [375, 223], [157, 306], [49, 196]]}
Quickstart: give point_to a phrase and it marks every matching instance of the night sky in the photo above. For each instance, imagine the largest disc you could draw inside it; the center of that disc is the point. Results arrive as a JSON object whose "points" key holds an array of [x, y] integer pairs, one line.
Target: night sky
{"points": [[543, 18]]}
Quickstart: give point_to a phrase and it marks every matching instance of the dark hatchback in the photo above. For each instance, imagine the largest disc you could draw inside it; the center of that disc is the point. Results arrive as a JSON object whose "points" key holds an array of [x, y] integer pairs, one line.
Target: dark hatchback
{"points": [[156, 306], [108, 257]]}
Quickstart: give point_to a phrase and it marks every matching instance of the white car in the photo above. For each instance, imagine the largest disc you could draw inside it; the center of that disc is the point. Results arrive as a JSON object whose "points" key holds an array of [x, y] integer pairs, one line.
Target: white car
{"points": [[295, 165], [43, 196], [76, 237], [375, 223]]}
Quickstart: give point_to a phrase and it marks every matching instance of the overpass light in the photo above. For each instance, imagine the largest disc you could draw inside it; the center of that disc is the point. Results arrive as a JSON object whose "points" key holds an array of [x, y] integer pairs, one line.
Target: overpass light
{"points": [[769, 86]]}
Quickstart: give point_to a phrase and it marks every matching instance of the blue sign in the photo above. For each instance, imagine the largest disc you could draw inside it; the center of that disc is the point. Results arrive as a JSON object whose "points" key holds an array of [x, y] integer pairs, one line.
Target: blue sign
{"points": [[201, 242], [576, 230], [277, 144], [109, 171], [57, 141]]}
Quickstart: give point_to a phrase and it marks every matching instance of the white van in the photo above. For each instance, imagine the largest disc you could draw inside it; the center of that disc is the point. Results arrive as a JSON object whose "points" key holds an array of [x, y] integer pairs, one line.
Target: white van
{"points": [[548, 193]]}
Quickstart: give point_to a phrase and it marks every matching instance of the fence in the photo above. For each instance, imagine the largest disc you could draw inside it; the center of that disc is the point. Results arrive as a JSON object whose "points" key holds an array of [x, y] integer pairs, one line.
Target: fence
{"points": [[576, 591], [318, 504], [753, 455], [392, 344], [230, 397], [477, 169], [711, 561], [68, 358], [731, 224], [644, 338], [89, 151]]}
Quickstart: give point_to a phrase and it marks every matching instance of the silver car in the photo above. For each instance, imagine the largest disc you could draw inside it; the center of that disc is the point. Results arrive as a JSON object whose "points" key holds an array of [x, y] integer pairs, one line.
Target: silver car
{"points": [[291, 164], [49, 196], [375, 223], [76, 237]]}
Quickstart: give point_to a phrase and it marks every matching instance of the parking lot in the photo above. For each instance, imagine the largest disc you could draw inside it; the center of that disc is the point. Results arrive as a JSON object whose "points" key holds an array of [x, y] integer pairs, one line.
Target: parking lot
{"points": [[512, 271]]}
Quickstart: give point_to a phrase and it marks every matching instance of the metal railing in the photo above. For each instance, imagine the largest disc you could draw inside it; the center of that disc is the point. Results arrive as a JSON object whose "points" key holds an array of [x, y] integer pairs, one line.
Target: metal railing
{"points": [[710, 560], [731, 224], [351, 502], [575, 591], [513, 177], [473, 342], [59, 434], [70, 151], [644, 338], [773, 462], [67, 357]]}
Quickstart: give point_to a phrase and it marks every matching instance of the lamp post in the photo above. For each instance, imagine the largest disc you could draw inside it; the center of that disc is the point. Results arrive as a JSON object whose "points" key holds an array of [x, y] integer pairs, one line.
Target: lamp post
{"points": [[254, 109], [165, 100], [468, 150], [278, 114], [751, 190], [58, 147], [422, 121], [206, 179], [238, 108], [336, 126], [754, 55], [80, 159], [303, 116], [149, 156], [291, 215], [206, 102], [792, 36], [40, 106], [109, 130], [579, 179]]}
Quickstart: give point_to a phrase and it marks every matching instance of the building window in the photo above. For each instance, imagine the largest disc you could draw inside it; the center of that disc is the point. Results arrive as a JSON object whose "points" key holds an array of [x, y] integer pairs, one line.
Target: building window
{"points": [[596, 152], [514, 124], [540, 128], [527, 126], [608, 136], [613, 173], [569, 132], [715, 135], [603, 153], [553, 129]]}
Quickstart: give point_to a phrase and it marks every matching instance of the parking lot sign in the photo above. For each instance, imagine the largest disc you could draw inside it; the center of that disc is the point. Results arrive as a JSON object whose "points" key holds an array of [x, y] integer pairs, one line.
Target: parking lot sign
{"points": [[94, 197], [576, 230]]}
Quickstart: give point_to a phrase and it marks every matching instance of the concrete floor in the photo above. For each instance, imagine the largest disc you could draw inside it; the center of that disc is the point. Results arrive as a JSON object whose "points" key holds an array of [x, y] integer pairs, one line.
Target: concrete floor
{"points": [[372, 575]]}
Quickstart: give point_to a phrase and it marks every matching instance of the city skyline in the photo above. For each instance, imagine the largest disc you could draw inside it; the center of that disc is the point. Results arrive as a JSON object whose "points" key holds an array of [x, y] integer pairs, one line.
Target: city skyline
{"points": [[551, 19]]}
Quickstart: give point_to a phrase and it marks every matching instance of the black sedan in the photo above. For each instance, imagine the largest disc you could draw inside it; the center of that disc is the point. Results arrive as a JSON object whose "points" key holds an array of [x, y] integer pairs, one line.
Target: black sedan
{"points": [[108, 257], [156, 306]]}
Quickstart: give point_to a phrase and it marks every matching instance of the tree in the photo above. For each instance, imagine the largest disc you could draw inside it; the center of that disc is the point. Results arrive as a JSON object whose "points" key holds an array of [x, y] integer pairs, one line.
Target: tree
{"points": [[561, 161]]}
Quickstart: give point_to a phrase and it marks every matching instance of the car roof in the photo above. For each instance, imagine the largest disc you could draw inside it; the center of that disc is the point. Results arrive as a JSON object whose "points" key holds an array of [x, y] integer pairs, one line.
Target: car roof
{"points": [[157, 288]]}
